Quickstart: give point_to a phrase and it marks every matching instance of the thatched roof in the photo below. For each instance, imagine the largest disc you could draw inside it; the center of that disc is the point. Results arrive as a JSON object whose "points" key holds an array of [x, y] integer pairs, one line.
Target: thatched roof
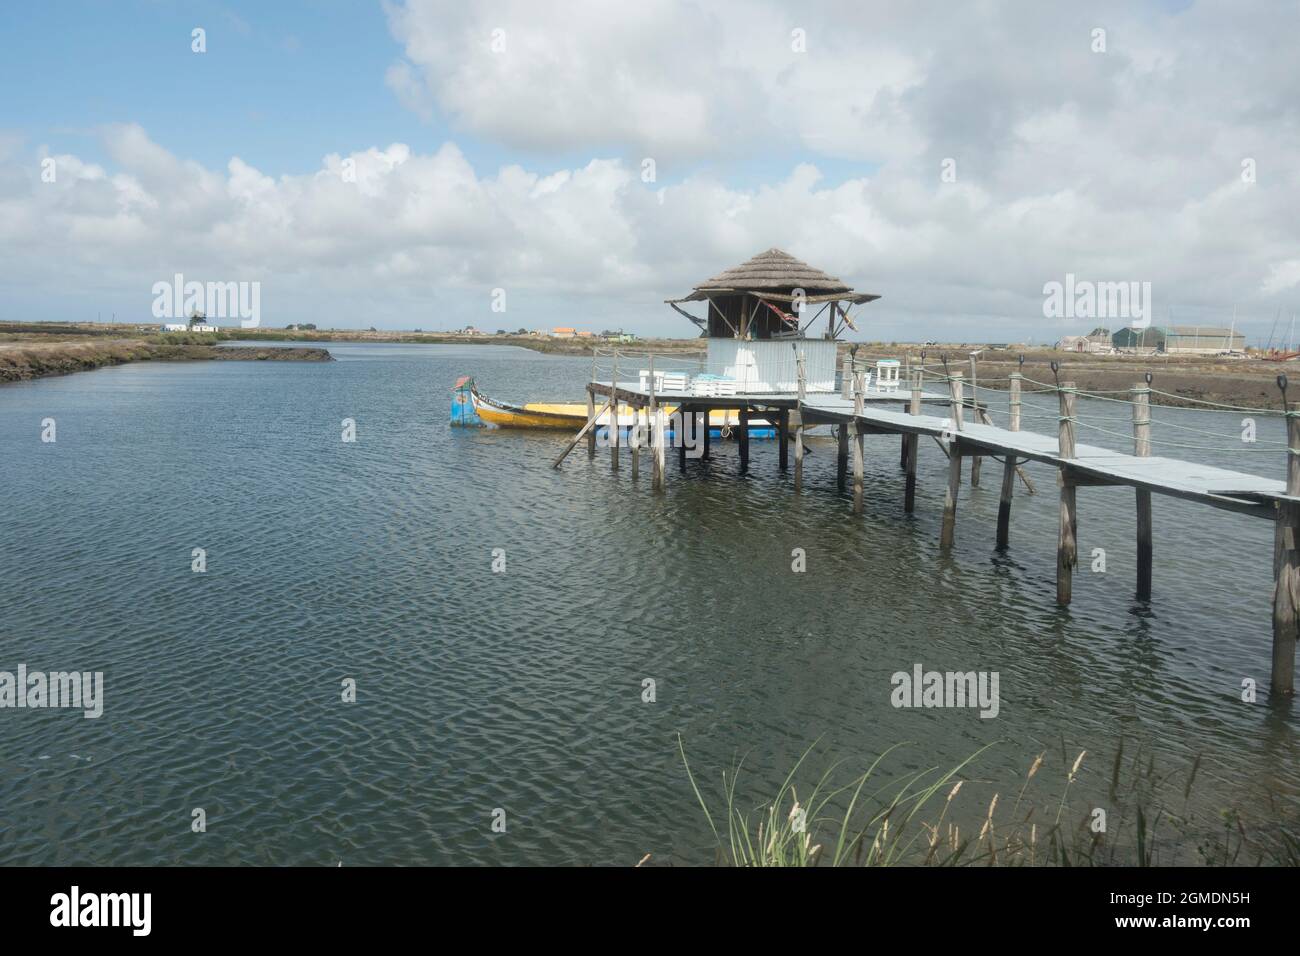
{"points": [[774, 274]]}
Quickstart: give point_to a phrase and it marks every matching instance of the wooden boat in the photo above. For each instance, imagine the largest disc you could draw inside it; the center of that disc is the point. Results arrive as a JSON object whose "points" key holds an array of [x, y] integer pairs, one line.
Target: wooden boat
{"points": [[471, 407]]}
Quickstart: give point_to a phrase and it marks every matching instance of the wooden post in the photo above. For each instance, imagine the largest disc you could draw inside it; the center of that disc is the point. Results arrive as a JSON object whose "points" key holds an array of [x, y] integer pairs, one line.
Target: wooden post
{"points": [[859, 386], [783, 439], [798, 431], [744, 439], [1009, 466], [656, 436], [975, 405], [1013, 403], [957, 407], [1067, 549], [913, 446], [949, 528], [708, 431], [679, 435], [905, 447], [957, 400], [842, 456], [634, 441], [661, 431], [1142, 449], [613, 418], [846, 378], [1286, 563], [591, 419]]}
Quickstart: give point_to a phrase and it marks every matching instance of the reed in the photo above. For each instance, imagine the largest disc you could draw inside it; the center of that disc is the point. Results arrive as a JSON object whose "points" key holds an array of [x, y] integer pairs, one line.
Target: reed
{"points": [[878, 819]]}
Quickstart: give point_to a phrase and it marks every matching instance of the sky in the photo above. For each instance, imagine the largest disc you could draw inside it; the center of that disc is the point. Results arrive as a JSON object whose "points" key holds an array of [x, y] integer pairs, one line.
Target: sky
{"points": [[424, 164]]}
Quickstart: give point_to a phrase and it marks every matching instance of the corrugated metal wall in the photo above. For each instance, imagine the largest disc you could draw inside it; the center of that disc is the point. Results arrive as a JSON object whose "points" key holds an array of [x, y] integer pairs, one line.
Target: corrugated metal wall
{"points": [[768, 365]]}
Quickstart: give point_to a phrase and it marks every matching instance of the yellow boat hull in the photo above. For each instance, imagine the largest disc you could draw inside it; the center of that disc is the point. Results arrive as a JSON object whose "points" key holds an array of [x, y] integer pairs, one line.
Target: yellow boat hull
{"points": [[573, 415]]}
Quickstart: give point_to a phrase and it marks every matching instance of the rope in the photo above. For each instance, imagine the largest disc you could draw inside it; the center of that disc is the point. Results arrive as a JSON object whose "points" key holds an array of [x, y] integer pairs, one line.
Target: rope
{"points": [[1171, 444], [1218, 405], [1168, 424]]}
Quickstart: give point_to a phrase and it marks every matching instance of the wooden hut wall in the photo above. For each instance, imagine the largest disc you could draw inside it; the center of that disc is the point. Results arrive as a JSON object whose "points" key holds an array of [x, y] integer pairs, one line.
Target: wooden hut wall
{"points": [[736, 308]]}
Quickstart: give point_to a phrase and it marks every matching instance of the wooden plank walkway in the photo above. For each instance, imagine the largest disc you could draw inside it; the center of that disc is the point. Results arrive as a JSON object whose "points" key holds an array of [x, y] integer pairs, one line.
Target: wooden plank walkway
{"points": [[859, 411], [1229, 490]]}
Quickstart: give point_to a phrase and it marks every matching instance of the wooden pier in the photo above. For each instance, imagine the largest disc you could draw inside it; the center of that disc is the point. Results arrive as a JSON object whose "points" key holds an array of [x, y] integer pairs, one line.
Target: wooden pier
{"points": [[856, 411]]}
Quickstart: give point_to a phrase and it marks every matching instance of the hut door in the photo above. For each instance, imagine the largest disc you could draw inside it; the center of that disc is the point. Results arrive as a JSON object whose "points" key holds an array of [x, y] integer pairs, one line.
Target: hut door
{"points": [[746, 366]]}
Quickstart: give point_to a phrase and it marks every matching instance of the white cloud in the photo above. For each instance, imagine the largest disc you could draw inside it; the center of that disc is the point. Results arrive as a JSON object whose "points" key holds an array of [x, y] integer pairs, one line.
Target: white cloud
{"points": [[1117, 166], [1284, 276]]}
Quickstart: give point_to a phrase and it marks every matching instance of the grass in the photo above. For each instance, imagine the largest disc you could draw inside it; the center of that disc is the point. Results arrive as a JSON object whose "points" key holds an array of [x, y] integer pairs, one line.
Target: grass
{"points": [[874, 819]]}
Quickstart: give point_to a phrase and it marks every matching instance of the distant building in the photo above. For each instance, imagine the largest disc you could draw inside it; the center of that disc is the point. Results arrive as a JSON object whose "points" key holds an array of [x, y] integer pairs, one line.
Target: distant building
{"points": [[563, 333], [198, 323], [190, 327], [1181, 340], [1098, 340], [585, 335]]}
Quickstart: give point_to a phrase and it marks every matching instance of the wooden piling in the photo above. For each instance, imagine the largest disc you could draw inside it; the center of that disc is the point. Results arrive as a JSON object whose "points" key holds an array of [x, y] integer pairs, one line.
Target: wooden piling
{"points": [[949, 528], [913, 443], [591, 423], [1142, 448], [904, 446], [655, 416], [659, 429], [842, 457], [613, 419], [1013, 402], [1067, 550], [957, 400], [798, 431], [859, 386], [783, 439], [679, 436], [1286, 588], [846, 378], [957, 407], [744, 439], [1009, 466], [634, 441], [707, 453], [975, 406]]}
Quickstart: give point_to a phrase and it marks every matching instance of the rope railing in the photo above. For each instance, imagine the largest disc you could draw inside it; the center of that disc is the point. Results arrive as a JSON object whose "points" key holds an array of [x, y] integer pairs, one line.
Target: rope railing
{"points": [[972, 398]]}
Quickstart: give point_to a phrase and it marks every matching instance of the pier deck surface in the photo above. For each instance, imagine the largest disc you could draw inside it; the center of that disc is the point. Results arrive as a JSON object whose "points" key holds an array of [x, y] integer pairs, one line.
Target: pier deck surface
{"points": [[1222, 488], [1232, 490]]}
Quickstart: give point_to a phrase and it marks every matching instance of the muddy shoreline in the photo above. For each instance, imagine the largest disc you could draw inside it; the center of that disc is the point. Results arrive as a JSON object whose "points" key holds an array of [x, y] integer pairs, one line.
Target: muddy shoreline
{"points": [[22, 361]]}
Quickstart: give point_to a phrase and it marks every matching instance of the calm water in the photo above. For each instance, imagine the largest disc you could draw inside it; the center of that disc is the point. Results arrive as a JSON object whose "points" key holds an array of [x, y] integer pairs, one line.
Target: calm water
{"points": [[522, 690]]}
